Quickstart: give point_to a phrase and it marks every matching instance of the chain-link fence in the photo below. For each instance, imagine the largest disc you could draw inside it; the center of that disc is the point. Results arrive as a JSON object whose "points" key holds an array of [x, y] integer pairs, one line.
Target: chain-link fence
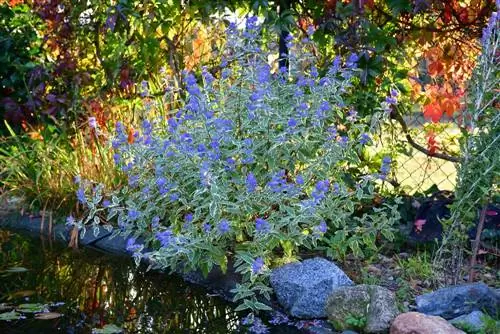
{"points": [[426, 152]]}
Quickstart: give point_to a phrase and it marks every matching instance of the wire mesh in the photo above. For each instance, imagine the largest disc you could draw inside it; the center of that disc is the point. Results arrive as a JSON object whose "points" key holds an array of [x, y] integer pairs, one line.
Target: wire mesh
{"points": [[416, 171]]}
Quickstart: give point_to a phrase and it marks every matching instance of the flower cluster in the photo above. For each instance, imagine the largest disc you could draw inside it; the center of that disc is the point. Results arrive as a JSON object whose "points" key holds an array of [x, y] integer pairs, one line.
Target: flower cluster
{"points": [[251, 160]]}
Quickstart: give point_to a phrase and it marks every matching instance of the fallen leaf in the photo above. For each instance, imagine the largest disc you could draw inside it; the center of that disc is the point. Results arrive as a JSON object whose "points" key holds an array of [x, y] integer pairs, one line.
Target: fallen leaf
{"points": [[48, 315]]}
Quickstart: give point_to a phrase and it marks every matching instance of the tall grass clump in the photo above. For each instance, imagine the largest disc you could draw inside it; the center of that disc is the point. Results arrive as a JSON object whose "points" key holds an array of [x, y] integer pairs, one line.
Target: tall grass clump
{"points": [[479, 170]]}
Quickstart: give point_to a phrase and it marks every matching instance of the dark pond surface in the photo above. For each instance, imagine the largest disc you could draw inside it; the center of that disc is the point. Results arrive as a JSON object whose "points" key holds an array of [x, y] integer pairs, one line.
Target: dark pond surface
{"points": [[99, 289]]}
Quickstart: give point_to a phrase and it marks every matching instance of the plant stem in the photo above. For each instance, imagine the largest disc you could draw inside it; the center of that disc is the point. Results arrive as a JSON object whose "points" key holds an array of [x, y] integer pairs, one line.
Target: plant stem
{"points": [[477, 241]]}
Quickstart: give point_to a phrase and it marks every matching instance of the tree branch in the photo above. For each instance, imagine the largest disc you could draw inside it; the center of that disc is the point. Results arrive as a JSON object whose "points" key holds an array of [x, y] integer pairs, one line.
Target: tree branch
{"points": [[397, 116]]}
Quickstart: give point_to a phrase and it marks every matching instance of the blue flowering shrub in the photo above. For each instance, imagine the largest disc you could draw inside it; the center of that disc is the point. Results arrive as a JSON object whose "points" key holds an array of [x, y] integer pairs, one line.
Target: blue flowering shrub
{"points": [[251, 167]]}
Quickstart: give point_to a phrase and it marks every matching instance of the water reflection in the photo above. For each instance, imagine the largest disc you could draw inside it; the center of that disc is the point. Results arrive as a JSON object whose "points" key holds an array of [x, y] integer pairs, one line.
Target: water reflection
{"points": [[98, 289]]}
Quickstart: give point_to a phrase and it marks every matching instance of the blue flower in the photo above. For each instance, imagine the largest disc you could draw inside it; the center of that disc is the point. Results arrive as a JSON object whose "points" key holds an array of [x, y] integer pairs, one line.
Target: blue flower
{"points": [[257, 265], [251, 182], [314, 71], [262, 226], [147, 127], [352, 115], [324, 107], [278, 182], [226, 73], [116, 158], [133, 180], [106, 203], [223, 227], [207, 227], [188, 218], [155, 221], [187, 138], [391, 100], [207, 76], [165, 237], [132, 246], [334, 68], [201, 149], [70, 220], [172, 123], [321, 228], [299, 180], [258, 327], [343, 141], [320, 190], [263, 74], [160, 182], [133, 214], [80, 195], [231, 164], [144, 88], [292, 122], [364, 139], [279, 318], [310, 30], [92, 122], [352, 61], [336, 188], [385, 168]]}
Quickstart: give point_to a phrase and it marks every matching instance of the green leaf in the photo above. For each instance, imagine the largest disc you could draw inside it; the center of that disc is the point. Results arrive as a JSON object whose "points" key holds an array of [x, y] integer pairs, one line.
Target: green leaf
{"points": [[9, 316], [107, 329], [16, 270], [31, 308]]}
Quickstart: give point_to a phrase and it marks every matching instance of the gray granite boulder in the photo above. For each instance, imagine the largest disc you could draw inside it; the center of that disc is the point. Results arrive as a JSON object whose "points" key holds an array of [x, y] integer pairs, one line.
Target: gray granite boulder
{"points": [[458, 300], [374, 304], [472, 321], [303, 287]]}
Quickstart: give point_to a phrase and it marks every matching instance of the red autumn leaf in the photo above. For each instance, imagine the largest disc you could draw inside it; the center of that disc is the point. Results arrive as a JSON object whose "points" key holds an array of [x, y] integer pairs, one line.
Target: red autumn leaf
{"points": [[447, 14], [130, 137], [449, 105], [432, 145], [12, 3], [435, 68], [368, 3], [433, 112]]}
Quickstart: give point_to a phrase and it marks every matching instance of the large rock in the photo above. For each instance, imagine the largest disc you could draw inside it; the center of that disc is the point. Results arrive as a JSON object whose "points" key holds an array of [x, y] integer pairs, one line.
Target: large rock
{"points": [[418, 323], [375, 304], [303, 287], [455, 301], [473, 321]]}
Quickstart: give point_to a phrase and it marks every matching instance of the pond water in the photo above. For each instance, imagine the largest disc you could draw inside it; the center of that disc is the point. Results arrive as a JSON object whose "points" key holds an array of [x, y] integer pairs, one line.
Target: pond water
{"points": [[91, 289]]}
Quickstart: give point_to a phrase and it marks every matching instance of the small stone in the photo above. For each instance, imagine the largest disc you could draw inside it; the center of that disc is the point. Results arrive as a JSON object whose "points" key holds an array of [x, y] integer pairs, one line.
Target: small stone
{"points": [[404, 255], [418, 323], [375, 304], [373, 269], [458, 300], [303, 287], [471, 321]]}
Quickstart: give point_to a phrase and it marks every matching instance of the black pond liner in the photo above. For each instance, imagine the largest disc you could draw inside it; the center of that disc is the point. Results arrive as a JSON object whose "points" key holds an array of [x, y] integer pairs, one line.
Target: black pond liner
{"points": [[217, 283]]}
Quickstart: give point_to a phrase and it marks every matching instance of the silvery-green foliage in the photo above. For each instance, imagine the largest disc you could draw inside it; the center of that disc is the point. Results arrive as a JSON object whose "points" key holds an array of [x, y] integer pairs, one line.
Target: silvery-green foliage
{"points": [[252, 166]]}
